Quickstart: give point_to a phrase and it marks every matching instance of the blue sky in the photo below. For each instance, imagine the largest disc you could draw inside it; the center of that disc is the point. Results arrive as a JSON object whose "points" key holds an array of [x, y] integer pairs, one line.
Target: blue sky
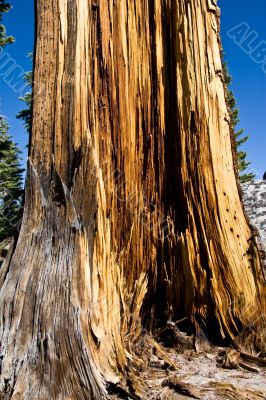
{"points": [[20, 24], [249, 80]]}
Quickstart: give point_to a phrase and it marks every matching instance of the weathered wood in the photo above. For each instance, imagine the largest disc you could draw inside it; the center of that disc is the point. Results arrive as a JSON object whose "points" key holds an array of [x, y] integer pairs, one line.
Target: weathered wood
{"points": [[132, 206]]}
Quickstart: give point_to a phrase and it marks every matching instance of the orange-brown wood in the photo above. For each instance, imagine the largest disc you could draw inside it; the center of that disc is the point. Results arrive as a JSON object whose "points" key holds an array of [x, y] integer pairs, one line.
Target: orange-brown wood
{"points": [[132, 210]]}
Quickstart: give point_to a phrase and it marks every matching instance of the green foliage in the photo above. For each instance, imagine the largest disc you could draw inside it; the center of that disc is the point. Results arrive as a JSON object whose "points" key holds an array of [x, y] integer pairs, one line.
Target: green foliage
{"points": [[4, 39], [11, 189], [25, 114], [243, 164]]}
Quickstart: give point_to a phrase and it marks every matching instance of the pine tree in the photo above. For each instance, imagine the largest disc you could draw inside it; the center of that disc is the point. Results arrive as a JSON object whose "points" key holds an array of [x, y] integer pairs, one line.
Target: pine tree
{"points": [[4, 39], [242, 162], [10, 169], [11, 189]]}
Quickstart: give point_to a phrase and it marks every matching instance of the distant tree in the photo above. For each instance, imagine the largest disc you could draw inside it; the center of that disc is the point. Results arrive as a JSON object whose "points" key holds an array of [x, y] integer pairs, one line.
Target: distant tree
{"points": [[11, 186], [239, 136], [4, 39], [25, 114]]}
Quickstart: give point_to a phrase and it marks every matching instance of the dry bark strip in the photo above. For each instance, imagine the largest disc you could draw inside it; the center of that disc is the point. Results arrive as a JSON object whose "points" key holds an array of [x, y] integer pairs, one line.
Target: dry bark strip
{"points": [[132, 207], [236, 359], [182, 388]]}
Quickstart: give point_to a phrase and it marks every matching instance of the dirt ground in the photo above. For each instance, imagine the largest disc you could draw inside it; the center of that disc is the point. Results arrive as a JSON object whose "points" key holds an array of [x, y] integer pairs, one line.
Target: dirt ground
{"points": [[182, 373]]}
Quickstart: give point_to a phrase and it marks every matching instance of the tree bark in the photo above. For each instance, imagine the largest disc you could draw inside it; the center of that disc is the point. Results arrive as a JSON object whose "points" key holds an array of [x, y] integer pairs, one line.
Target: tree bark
{"points": [[132, 212]]}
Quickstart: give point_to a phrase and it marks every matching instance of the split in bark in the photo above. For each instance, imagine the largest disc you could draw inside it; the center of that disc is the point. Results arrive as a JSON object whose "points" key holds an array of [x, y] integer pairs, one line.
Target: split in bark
{"points": [[132, 209]]}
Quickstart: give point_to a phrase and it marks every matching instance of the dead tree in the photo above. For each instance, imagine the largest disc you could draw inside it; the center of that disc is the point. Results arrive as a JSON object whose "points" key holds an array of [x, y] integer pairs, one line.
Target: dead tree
{"points": [[132, 211]]}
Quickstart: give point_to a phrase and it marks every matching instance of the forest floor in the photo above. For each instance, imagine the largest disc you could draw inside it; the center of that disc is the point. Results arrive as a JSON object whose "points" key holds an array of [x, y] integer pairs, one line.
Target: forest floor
{"points": [[183, 373]]}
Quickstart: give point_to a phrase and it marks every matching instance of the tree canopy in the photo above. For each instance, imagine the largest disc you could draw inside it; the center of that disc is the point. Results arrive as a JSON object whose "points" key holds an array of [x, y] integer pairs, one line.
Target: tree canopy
{"points": [[4, 39], [11, 188], [239, 137]]}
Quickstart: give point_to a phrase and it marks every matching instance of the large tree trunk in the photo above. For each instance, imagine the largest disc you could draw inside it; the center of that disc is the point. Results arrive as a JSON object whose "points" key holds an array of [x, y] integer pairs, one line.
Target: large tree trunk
{"points": [[132, 207]]}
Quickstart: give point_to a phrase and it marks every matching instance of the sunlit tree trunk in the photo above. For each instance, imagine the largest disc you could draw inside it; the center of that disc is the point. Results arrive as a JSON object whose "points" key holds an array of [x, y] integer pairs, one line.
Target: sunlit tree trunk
{"points": [[132, 206]]}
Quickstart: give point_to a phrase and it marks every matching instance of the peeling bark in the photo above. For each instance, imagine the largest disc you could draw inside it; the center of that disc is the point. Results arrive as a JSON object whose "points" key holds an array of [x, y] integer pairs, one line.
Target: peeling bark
{"points": [[132, 206]]}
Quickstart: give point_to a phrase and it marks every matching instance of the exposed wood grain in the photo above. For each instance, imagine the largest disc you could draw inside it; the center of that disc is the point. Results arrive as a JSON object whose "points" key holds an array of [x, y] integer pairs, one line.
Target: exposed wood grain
{"points": [[132, 206]]}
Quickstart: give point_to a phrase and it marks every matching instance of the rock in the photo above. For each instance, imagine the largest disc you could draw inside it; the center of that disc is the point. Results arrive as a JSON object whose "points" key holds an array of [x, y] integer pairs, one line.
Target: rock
{"points": [[255, 205], [155, 362]]}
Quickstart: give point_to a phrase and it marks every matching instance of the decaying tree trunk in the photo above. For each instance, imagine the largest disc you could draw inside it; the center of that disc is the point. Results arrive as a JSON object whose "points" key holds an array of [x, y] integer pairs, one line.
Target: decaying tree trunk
{"points": [[132, 207]]}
